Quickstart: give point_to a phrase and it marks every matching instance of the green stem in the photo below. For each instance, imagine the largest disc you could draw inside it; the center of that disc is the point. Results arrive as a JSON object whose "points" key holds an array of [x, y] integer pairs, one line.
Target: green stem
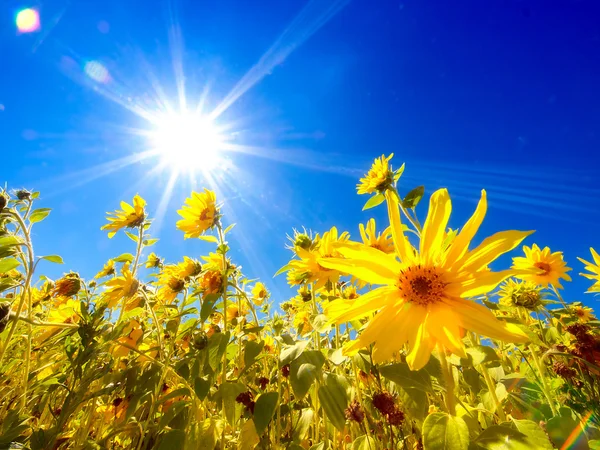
{"points": [[492, 390], [225, 283], [545, 389], [450, 399]]}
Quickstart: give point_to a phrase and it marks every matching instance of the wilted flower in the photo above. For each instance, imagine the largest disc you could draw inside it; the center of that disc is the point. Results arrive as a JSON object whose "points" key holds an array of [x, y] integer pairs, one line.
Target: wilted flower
{"points": [[67, 286], [354, 412]]}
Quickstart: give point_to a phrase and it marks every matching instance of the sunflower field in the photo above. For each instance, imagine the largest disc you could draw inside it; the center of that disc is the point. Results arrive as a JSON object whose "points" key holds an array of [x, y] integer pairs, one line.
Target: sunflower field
{"points": [[402, 339]]}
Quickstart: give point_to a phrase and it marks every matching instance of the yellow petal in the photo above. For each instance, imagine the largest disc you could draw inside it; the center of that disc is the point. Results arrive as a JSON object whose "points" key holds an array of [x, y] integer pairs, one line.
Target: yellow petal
{"points": [[364, 270], [402, 247], [484, 282], [490, 249], [442, 325], [355, 250], [346, 310], [596, 256], [434, 229], [461, 243], [421, 348], [475, 317]]}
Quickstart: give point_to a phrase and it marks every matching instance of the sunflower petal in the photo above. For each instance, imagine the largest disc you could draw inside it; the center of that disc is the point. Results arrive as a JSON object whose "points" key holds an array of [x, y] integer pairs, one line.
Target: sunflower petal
{"points": [[490, 249], [364, 270], [443, 325], [434, 229], [461, 243], [346, 310], [420, 351], [401, 245], [483, 282]]}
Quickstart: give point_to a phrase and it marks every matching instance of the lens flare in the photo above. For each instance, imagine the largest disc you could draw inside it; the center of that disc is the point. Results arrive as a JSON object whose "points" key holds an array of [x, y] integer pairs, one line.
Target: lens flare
{"points": [[97, 72], [28, 20]]}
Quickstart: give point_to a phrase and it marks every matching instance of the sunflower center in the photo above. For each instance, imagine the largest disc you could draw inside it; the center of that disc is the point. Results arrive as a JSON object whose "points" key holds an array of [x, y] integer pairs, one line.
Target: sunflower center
{"points": [[545, 267], [421, 285]]}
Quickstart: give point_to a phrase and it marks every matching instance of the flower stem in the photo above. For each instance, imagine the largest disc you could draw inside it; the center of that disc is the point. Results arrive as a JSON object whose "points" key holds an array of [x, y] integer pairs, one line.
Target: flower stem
{"points": [[545, 389], [449, 398], [492, 390]]}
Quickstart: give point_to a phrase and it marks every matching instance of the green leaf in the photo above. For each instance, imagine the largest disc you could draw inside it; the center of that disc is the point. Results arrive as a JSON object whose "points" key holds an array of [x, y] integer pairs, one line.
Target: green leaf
{"points": [[374, 201], [251, 351], [249, 438], [413, 198], [207, 439], [445, 432], [201, 387], [337, 356], [149, 242], [302, 424], [321, 324], [172, 439], [8, 244], [208, 304], [228, 392], [290, 353], [482, 354], [38, 215], [502, 437], [125, 257], [53, 258], [398, 173], [264, 409], [365, 442], [594, 445], [229, 228], [132, 236], [209, 238], [563, 428], [304, 370], [401, 374], [8, 264], [217, 345], [536, 438], [333, 395]]}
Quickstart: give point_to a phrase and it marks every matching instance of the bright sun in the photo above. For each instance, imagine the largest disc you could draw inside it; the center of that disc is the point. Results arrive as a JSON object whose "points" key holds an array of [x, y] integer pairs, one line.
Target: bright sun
{"points": [[187, 142]]}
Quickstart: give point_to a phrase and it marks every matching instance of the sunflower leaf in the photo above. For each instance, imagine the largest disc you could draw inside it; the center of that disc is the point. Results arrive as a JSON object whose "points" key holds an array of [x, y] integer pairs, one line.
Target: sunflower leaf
{"points": [[442, 431], [266, 405], [374, 201], [38, 215], [413, 198], [333, 395], [8, 264], [53, 258]]}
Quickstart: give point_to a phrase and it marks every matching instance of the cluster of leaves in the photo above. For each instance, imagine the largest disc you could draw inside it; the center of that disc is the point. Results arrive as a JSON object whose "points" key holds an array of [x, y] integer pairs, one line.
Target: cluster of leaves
{"points": [[194, 356]]}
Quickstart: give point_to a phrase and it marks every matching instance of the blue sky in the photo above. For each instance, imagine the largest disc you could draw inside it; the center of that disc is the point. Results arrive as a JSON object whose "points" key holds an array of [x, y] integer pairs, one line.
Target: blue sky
{"points": [[471, 95]]}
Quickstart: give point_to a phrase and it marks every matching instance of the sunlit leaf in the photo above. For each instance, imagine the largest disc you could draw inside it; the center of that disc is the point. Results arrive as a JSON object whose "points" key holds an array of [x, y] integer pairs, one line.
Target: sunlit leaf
{"points": [[413, 198], [333, 395], [374, 201], [53, 258], [442, 431], [38, 215], [265, 407]]}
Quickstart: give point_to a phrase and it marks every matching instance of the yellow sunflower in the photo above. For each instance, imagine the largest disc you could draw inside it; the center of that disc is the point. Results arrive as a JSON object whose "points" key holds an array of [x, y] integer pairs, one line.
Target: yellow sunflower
{"points": [[171, 283], [129, 217], [520, 293], [308, 270], [583, 313], [370, 237], [199, 215], [234, 311], [211, 282], [153, 261], [423, 298], [541, 266], [259, 293], [67, 312], [108, 269], [125, 286], [379, 178], [189, 268], [132, 336], [594, 268]]}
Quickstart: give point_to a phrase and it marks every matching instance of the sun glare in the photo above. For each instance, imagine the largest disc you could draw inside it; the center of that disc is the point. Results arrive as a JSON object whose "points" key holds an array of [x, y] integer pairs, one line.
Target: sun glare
{"points": [[187, 142]]}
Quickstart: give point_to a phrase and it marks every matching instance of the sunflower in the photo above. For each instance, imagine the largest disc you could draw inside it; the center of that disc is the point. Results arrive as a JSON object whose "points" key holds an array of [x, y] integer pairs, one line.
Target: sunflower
{"points": [[381, 242], [520, 293], [129, 217], [124, 286], [211, 282], [259, 293], [189, 268], [422, 301], [132, 335], [67, 286], [67, 312], [541, 267], [199, 215], [108, 269], [269, 344], [308, 270], [583, 313], [171, 283], [235, 312], [595, 269], [302, 322], [379, 178], [153, 261]]}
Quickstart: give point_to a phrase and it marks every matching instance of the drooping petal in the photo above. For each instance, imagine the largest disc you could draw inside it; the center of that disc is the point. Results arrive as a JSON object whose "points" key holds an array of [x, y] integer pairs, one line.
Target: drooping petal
{"points": [[375, 329], [596, 256], [346, 310], [421, 347], [356, 250], [434, 229], [443, 326], [475, 317], [364, 270], [461, 243], [484, 282], [402, 247], [490, 249]]}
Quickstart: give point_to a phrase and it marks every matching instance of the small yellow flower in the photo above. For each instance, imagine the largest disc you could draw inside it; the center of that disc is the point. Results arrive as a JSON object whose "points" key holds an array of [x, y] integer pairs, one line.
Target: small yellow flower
{"points": [[189, 268], [308, 270], [269, 346], [68, 312], [114, 412], [302, 322], [215, 261], [520, 293], [349, 292], [170, 283], [235, 312], [199, 215], [541, 266], [132, 334], [379, 178], [125, 286], [211, 282], [153, 261], [259, 293], [370, 237], [129, 217], [108, 269], [583, 313], [594, 268]]}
